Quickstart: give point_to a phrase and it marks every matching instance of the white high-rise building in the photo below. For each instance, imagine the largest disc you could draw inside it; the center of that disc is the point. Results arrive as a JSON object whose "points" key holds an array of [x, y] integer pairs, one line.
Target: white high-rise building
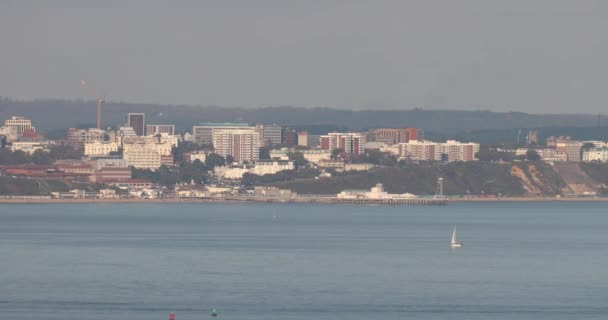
{"points": [[203, 133], [154, 129], [20, 123], [241, 144]]}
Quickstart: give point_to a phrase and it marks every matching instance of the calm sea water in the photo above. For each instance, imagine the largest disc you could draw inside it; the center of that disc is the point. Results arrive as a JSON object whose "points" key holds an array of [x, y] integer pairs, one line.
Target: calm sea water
{"points": [[258, 261]]}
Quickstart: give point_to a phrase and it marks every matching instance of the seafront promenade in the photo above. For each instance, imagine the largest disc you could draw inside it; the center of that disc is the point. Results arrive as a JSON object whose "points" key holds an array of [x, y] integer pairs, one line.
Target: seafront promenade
{"points": [[324, 200]]}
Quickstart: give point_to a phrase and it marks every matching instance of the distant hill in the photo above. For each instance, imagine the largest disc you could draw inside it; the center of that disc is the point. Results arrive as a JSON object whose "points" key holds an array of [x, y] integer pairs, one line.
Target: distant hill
{"points": [[50, 115], [512, 135]]}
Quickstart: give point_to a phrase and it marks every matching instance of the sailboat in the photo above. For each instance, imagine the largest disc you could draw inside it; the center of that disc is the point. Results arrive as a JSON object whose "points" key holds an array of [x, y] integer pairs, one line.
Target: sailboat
{"points": [[454, 243]]}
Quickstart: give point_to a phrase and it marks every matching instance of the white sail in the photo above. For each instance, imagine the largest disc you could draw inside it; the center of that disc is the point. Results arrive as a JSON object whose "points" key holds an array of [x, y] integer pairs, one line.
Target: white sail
{"points": [[454, 236]]}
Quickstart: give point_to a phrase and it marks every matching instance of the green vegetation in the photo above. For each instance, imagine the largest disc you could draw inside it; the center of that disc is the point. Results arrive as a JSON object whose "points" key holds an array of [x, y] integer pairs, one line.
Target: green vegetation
{"points": [[250, 180], [599, 173], [40, 157], [490, 155], [375, 157], [460, 178], [25, 186], [298, 159], [532, 155]]}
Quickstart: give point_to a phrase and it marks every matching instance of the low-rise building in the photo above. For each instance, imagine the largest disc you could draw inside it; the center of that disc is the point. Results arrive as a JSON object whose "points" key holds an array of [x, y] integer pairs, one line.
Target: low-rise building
{"points": [[596, 155], [197, 155], [29, 147], [312, 155], [77, 138], [376, 192], [262, 167], [546, 154], [333, 164], [100, 148], [146, 155]]}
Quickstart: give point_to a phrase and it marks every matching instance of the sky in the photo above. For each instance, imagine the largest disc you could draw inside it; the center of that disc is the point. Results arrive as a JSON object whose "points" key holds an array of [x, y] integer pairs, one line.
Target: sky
{"points": [[540, 56]]}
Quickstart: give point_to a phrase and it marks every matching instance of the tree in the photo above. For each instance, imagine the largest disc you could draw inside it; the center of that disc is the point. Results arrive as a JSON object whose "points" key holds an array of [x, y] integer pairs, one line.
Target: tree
{"points": [[587, 146], [167, 176], [229, 159], [265, 153], [41, 157], [213, 160], [194, 171], [335, 154], [532, 155], [297, 158], [60, 152]]}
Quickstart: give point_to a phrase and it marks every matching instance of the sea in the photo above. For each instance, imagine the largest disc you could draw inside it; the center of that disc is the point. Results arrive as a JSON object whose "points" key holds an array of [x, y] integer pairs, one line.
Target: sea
{"points": [[520, 260]]}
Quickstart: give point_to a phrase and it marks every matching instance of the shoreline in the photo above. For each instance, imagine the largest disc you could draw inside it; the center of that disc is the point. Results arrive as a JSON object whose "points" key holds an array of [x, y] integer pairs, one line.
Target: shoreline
{"points": [[319, 200]]}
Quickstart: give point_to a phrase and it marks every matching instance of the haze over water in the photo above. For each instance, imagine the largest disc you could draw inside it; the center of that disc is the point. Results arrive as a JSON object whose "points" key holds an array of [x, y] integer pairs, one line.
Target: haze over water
{"points": [[258, 261]]}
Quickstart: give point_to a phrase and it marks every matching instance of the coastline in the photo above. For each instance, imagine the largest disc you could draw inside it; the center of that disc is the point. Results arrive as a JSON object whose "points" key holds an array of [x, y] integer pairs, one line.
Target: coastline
{"points": [[319, 200]]}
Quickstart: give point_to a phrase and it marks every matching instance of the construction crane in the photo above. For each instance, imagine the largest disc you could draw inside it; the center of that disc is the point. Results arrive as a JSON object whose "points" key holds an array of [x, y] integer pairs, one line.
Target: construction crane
{"points": [[99, 101]]}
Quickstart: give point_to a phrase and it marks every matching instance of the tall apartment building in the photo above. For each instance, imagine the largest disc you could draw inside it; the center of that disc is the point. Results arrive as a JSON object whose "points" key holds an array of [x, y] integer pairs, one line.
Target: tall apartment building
{"points": [[290, 137], [272, 134], [397, 135], [427, 150], [572, 148], [137, 121], [532, 138], [16, 128], [77, 138], [350, 143], [20, 124], [154, 129], [203, 132], [303, 138], [241, 144]]}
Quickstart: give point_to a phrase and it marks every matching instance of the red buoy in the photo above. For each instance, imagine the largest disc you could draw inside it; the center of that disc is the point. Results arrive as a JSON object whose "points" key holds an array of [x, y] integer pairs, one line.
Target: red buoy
{"points": [[172, 316]]}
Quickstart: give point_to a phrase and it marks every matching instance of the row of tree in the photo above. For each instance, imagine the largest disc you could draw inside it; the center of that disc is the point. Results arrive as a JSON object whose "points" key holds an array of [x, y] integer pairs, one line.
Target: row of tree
{"points": [[39, 157]]}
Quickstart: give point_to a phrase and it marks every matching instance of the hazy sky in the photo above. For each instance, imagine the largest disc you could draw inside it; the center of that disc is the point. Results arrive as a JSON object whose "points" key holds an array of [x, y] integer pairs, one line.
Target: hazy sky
{"points": [[524, 55]]}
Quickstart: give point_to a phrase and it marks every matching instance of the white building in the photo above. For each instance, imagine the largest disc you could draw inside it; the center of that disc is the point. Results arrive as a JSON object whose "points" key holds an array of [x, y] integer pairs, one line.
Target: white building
{"points": [[450, 150], [146, 155], [110, 163], [313, 155], [241, 144], [123, 133], [100, 148], [197, 155], [376, 192], [203, 133], [29, 147], [230, 172], [303, 138], [263, 167], [596, 154], [20, 124], [546, 154], [154, 129], [77, 138], [260, 168]]}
